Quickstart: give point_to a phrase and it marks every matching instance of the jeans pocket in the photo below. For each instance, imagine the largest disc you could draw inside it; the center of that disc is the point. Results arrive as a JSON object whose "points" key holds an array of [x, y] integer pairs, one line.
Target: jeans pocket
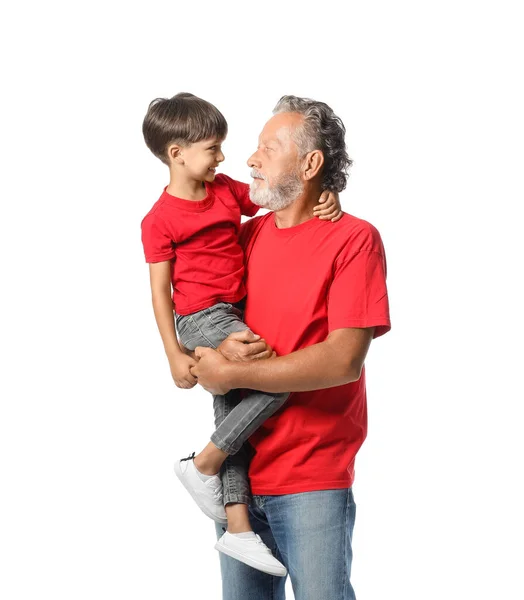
{"points": [[188, 332]]}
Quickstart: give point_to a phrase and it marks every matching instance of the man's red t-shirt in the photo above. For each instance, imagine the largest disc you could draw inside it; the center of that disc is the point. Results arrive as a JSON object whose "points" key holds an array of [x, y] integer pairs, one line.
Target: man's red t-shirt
{"points": [[302, 283], [201, 238]]}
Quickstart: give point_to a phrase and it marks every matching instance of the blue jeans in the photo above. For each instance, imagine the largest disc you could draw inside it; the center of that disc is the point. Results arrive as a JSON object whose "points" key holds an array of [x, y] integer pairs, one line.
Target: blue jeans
{"points": [[310, 533], [235, 418]]}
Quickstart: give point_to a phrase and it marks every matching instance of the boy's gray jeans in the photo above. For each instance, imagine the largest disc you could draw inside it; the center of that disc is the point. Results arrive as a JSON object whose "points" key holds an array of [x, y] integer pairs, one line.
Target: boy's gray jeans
{"points": [[235, 419]]}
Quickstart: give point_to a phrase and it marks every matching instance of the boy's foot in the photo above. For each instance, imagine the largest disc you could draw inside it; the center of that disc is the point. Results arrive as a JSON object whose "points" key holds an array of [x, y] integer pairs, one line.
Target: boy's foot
{"points": [[207, 494], [252, 551]]}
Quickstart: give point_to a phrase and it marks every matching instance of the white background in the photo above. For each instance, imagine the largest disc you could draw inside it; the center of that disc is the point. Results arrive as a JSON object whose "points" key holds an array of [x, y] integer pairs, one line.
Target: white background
{"points": [[91, 422]]}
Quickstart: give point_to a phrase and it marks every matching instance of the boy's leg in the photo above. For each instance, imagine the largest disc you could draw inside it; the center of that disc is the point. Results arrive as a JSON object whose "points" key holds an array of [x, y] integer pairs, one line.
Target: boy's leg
{"points": [[241, 420], [245, 418], [235, 419], [235, 482], [209, 327], [239, 581], [313, 532]]}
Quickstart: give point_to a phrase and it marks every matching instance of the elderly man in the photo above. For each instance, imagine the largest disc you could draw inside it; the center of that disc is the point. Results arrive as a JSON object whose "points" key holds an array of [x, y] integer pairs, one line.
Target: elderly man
{"points": [[316, 292]]}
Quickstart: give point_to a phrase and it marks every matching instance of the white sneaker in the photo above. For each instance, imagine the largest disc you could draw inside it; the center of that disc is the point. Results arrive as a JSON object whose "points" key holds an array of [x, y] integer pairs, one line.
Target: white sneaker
{"points": [[207, 494], [251, 551]]}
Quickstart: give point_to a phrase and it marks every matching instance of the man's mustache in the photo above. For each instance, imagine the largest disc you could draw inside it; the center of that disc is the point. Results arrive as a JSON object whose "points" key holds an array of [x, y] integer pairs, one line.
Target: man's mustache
{"points": [[256, 175]]}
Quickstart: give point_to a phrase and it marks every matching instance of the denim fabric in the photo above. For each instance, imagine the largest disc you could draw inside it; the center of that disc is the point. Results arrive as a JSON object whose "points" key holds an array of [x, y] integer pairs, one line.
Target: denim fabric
{"points": [[311, 534], [235, 419]]}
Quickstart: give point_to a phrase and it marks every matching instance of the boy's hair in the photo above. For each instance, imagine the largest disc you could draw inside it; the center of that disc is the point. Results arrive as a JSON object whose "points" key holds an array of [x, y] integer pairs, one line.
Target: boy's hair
{"points": [[183, 119]]}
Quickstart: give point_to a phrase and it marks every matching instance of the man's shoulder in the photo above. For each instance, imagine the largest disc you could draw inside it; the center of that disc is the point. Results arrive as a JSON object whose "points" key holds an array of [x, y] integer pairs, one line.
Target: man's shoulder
{"points": [[357, 234]]}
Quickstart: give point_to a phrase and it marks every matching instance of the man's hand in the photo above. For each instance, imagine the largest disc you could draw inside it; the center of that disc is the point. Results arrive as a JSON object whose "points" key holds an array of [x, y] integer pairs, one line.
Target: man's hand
{"points": [[329, 207], [180, 370], [245, 346], [210, 370]]}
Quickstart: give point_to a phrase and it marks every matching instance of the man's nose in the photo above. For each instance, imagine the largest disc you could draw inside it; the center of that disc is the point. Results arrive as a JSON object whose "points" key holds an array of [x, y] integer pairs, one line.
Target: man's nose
{"points": [[220, 157], [253, 161]]}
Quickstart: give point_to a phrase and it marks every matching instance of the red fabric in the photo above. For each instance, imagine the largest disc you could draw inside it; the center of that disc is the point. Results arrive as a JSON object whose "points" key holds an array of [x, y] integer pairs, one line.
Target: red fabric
{"points": [[201, 240], [303, 282]]}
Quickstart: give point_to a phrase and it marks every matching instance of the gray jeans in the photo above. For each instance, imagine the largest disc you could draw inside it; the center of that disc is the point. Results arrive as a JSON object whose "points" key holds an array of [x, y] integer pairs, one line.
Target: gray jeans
{"points": [[235, 419]]}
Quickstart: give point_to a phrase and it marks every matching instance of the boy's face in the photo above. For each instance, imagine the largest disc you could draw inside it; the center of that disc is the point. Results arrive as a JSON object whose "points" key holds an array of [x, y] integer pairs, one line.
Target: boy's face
{"points": [[201, 159]]}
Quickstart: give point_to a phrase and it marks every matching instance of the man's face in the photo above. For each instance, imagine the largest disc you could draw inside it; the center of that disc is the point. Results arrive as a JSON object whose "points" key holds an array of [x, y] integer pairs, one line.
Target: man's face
{"points": [[275, 164]]}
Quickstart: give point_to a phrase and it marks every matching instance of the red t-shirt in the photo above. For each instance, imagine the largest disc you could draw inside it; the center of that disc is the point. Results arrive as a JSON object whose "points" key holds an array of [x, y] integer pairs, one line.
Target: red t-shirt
{"points": [[302, 283], [201, 239]]}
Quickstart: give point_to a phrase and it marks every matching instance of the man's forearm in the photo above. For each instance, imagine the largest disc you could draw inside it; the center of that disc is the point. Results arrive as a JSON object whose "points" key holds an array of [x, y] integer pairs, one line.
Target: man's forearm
{"points": [[316, 367]]}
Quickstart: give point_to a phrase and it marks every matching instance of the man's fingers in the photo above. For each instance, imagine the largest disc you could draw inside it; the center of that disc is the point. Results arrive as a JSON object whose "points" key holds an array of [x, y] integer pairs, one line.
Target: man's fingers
{"points": [[201, 350], [243, 336], [261, 355], [255, 348]]}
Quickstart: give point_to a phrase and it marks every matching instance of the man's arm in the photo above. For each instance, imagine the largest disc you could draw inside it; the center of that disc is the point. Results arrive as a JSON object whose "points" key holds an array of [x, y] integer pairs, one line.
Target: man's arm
{"points": [[336, 361]]}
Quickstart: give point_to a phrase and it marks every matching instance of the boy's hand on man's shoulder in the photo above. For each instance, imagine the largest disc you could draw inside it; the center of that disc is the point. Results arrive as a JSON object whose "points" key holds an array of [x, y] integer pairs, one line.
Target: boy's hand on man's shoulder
{"points": [[180, 371], [329, 207]]}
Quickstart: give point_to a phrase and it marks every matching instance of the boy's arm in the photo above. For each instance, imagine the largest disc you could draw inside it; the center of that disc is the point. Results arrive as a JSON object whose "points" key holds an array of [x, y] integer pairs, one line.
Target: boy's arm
{"points": [[179, 362]]}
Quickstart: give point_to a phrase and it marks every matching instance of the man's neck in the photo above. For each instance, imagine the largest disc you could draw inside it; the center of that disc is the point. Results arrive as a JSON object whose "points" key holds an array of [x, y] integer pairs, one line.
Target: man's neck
{"points": [[299, 211]]}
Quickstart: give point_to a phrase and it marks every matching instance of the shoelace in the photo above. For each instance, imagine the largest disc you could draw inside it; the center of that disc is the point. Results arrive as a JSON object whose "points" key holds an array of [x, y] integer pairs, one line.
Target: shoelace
{"points": [[213, 483]]}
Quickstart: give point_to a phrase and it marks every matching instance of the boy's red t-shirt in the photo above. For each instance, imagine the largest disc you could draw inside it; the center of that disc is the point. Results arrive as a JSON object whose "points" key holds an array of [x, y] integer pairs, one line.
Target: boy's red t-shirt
{"points": [[201, 240], [302, 283]]}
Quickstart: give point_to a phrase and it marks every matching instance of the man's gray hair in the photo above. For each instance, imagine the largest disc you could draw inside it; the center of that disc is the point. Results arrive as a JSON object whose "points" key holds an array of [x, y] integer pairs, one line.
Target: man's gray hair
{"points": [[322, 130]]}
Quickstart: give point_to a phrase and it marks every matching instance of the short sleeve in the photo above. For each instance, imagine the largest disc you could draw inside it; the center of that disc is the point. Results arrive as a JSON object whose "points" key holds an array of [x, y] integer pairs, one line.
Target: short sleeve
{"points": [[358, 294], [241, 193], [157, 243]]}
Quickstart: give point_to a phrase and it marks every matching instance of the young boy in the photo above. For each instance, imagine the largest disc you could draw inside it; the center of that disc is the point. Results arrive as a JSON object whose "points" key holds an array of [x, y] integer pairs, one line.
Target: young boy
{"points": [[190, 239]]}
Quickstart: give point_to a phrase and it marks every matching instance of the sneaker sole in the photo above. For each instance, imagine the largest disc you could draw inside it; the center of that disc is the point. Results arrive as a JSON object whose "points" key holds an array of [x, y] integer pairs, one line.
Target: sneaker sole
{"points": [[178, 473], [278, 572]]}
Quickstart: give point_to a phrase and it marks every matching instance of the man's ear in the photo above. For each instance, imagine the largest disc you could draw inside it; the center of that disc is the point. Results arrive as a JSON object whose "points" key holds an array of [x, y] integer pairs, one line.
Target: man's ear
{"points": [[174, 152], [313, 163]]}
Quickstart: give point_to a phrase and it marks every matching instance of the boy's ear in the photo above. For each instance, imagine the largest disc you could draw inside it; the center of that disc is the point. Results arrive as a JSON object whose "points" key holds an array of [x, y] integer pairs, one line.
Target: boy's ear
{"points": [[174, 154]]}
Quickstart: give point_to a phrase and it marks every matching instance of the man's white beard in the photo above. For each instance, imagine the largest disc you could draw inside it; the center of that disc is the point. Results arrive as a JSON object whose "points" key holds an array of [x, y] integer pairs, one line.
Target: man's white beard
{"points": [[283, 193]]}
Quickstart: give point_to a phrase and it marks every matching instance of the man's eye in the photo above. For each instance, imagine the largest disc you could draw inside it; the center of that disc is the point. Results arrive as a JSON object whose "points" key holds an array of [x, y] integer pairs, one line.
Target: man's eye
{"points": [[212, 148]]}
